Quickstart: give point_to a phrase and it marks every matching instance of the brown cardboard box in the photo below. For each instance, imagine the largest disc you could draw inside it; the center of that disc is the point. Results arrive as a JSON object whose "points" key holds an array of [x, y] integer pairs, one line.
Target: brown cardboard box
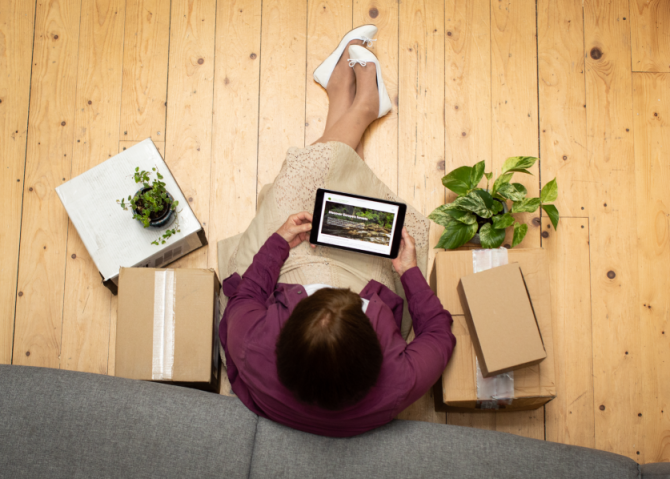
{"points": [[151, 303], [534, 385], [501, 321]]}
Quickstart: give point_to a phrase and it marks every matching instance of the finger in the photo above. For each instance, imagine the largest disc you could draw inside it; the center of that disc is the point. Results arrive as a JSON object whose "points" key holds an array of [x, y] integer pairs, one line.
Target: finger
{"points": [[302, 217], [305, 215]]}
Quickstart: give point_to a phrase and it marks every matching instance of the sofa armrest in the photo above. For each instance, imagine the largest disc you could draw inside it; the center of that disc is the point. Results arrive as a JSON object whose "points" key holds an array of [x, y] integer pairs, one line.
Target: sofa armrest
{"points": [[656, 470]]}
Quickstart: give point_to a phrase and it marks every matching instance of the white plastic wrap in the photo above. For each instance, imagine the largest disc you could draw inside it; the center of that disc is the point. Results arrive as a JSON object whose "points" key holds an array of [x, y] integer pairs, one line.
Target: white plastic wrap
{"points": [[163, 344]]}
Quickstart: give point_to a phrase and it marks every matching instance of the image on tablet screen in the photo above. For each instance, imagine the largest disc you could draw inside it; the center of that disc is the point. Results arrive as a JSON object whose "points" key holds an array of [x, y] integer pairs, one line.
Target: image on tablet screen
{"points": [[356, 223]]}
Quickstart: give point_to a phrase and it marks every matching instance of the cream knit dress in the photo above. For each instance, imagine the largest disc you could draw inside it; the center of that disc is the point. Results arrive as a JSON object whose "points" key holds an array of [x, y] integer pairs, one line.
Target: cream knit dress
{"points": [[334, 166]]}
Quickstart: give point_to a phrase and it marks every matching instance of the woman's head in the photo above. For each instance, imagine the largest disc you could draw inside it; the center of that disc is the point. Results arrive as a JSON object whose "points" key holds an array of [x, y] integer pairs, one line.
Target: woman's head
{"points": [[328, 353]]}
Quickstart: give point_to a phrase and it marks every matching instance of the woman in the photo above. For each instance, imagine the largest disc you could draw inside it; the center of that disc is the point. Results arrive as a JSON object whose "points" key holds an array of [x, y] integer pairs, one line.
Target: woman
{"points": [[312, 336]]}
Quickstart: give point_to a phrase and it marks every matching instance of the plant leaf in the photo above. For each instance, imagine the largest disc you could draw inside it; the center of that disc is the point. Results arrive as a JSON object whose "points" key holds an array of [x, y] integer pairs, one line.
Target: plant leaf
{"points": [[549, 192], [518, 163], [520, 231], [476, 174], [552, 212], [503, 221], [527, 205], [440, 216], [484, 195], [491, 237], [473, 203], [501, 180], [458, 180], [497, 207], [462, 216], [509, 192], [520, 188], [488, 176], [456, 234]]}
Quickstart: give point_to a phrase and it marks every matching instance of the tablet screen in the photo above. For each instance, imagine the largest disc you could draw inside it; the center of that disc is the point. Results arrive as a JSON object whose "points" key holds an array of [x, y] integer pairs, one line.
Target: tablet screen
{"points": [[357, 223]]}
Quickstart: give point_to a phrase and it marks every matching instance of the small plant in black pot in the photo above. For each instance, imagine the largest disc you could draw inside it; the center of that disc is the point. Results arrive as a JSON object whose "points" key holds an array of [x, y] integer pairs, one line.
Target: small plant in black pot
{"points": [[481, 215], [152, 205]]}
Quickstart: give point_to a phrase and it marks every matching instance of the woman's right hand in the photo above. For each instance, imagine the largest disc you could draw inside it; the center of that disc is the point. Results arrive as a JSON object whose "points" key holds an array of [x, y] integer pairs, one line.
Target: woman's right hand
{"points": [[406, 254]]}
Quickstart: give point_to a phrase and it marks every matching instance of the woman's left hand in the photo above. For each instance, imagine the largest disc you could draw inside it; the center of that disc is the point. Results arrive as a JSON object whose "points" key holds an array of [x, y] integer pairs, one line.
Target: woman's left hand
{"points": [[296, 229]]}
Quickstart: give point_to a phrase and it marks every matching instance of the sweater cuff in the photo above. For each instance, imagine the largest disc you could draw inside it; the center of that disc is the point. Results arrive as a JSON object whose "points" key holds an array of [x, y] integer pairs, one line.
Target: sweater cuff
{"points": [[277, 247], [413, 282]]}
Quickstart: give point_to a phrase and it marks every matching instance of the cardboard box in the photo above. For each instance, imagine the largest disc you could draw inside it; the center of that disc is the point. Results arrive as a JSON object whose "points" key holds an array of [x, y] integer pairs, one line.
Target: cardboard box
{"points": [[112, 237], [166, 326], [534, 385], [501, 321]]}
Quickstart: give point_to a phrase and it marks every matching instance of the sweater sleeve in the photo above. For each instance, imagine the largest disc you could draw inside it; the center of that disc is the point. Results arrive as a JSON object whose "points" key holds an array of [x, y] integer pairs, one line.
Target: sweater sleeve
{"points": [[247, 306], [428, 355]]}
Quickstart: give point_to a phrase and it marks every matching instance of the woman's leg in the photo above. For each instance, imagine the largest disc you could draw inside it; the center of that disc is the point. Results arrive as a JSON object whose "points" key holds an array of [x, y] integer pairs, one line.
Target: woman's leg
{"points": [[355, 119], [341, 88]]}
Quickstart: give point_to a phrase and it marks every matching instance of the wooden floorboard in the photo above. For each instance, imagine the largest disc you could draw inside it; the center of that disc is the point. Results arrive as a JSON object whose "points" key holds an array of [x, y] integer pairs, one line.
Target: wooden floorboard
{"points": [[17, 27], [570, 417], [614, 270], [145, 64], [282, 85], [651, 97], [87, 303], [650, 35], [225, 87], [39, 306]]}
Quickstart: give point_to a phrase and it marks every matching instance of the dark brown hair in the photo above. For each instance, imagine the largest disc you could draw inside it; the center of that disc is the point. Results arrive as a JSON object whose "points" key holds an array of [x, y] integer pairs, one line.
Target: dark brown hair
{"points": [[328, 353]]}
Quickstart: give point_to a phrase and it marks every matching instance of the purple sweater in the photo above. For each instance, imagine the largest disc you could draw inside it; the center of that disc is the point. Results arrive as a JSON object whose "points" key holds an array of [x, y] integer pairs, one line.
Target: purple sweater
{"points": [[257, 309]]}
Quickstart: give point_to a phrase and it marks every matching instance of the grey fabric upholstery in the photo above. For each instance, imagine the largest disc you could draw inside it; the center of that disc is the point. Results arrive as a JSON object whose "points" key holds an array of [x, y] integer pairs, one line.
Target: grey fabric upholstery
{"points": [[658, 470], [413, 449], [63, 424]]}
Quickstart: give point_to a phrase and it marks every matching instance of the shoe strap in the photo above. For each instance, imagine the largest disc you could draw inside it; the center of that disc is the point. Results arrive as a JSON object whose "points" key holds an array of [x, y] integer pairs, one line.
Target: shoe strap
{"points": [[352, 62]]}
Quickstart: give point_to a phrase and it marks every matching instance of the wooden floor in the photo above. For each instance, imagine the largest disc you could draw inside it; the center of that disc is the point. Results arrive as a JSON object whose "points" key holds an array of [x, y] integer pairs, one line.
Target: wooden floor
{"points": [[224, 87]]}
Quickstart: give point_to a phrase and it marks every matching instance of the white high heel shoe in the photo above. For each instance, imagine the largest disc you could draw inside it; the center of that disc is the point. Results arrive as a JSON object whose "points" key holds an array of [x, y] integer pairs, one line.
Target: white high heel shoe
{"points": [[323, 71], [358, 54]]}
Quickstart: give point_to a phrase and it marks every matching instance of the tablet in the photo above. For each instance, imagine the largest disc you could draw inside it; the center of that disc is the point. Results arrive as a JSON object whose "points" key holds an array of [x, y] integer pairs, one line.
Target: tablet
{"points": [[357, 223]]}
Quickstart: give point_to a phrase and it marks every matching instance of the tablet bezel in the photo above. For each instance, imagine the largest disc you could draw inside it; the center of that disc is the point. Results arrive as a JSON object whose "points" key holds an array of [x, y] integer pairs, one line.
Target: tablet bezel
{"points": [[397, 235]]}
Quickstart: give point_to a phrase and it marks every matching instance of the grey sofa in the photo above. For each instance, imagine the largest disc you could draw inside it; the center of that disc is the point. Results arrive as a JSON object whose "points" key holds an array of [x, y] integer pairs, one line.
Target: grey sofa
{"points": [[64, 424]]}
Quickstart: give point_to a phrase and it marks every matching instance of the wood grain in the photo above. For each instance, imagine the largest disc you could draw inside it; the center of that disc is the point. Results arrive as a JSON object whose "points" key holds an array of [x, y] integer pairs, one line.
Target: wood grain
{"points": [[327, 22], [41, 277], [16, 44], [650, 35], [467, 65], [86, 305], [651, 96], [562, 103], [145, 64], [569, 417], [514, 98], [380, 141], [282, 87], [188, 143], [160, 146], [235, 127], [614, 269]]}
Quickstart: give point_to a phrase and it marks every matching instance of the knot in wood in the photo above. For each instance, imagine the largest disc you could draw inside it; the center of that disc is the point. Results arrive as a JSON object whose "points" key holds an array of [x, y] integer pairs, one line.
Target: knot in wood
{"points": [[611, 274], [374, 13], [596, 53]]}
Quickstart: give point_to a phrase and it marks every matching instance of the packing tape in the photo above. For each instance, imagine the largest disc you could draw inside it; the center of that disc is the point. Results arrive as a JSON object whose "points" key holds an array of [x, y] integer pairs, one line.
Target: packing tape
{"points": [[162, 364], [497, 390]]}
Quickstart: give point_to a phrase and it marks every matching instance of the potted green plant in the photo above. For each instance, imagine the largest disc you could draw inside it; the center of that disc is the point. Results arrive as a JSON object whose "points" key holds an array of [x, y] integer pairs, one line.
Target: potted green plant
{"points": [[153, 205], [485, 211]]}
